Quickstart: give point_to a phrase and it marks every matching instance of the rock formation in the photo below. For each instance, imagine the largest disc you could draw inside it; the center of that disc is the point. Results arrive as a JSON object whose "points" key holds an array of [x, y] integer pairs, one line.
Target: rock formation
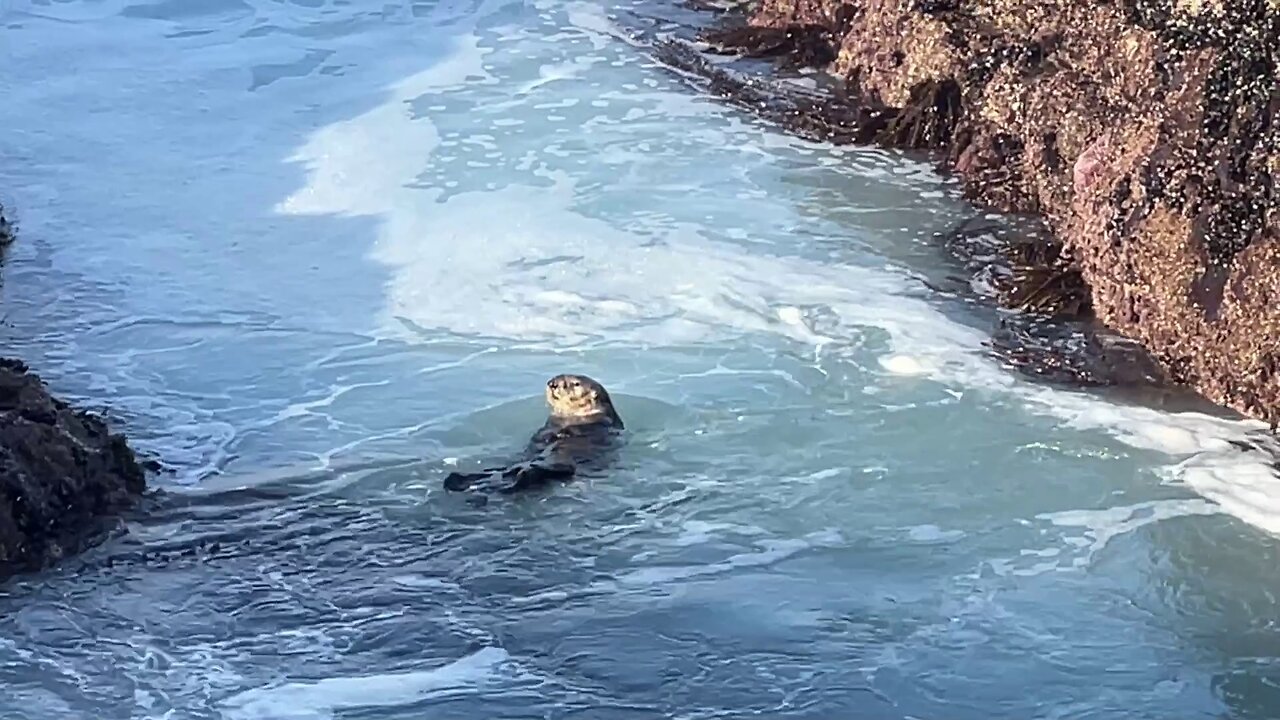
{"points": [[63, 475], [1146, 133]]}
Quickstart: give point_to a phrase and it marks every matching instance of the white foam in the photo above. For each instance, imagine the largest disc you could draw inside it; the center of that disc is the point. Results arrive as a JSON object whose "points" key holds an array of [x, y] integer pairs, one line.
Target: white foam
{"points": [[671, 577], [1102, 526], [904, 365], [772, 552], [1243, 484], [310, 407], [359, 166], [931, 534], [491, 263], [319, 700], [791, 315]]}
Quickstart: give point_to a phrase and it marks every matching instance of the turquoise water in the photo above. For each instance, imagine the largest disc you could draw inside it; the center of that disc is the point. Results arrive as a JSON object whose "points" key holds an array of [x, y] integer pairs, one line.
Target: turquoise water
{"points": [[311, 254]]}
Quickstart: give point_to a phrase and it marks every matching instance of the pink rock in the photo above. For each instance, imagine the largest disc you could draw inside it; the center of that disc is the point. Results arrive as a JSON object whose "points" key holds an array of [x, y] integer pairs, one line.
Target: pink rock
{"points": [[1089, 165]]}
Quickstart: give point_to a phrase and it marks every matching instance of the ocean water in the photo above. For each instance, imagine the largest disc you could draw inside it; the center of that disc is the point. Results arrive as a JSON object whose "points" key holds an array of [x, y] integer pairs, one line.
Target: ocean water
{"points": [[312, 254]]}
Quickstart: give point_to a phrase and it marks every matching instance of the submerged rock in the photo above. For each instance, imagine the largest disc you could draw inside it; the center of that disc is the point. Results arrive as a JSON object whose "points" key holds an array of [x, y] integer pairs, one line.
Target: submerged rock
{"points": [[63, 475], [6, 229], [1146, 134]]}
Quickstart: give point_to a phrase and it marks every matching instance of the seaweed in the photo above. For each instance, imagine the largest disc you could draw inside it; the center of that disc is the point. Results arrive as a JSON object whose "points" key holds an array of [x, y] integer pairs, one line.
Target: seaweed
{"points": [[797, 46], [815, 115]]}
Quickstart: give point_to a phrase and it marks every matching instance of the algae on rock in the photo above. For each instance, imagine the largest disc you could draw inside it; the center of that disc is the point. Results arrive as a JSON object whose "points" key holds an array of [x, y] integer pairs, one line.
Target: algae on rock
{"points": [[1146, 133]]}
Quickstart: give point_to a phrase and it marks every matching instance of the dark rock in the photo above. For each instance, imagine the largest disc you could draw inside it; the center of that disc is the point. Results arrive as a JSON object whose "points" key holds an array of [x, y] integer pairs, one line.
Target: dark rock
{"points": [[929, 119], [64, 476], [1073, 354], [1021, 266], [825, 114], [1145, 133], [799, 46], [6, 229], [1053, 336]]}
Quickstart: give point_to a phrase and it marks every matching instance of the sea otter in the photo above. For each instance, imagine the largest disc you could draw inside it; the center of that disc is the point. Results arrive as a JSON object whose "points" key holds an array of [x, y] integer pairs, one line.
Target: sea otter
{"points": [[580, 430]]}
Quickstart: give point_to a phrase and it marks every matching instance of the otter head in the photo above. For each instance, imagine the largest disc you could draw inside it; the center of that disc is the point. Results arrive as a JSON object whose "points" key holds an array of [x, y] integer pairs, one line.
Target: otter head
{"points": [[578, 397]]}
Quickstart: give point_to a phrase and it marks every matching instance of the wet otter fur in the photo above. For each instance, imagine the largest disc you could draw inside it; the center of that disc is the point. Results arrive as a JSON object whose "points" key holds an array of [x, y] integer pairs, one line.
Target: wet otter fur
{"points": [[581, 427]]}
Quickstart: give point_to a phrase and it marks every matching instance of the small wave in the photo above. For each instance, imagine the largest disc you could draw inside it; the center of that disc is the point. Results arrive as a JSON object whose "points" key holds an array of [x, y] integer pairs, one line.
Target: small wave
{"points": [[319, 700], [460, 268], [1096, 529]]}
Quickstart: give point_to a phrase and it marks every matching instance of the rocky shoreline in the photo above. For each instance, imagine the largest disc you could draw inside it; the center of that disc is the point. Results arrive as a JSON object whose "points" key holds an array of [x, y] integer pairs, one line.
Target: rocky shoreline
{"points": [[64, 476], [1144, 135]]}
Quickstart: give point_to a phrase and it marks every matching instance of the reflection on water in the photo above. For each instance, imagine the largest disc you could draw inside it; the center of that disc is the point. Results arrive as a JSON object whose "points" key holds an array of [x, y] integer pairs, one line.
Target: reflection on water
{"points": [[314, 253]]}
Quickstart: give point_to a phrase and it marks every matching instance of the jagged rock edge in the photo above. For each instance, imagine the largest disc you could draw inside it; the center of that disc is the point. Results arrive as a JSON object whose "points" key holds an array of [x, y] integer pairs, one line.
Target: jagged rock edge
{"points": [[984, 165], [1052, 337]]}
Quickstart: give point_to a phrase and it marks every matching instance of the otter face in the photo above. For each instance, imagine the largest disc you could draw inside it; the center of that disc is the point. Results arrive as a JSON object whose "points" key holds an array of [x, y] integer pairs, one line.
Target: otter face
{"points": [[577, 396]]}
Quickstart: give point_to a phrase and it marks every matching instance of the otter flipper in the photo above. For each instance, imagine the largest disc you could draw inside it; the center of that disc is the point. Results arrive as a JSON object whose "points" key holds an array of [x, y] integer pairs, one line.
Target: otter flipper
{"points": [[533, 475], [523, 476], [459, 481]]}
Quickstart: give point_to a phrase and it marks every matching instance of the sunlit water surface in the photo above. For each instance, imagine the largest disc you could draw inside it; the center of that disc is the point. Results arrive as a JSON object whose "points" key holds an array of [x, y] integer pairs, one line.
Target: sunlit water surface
{"points": [[312, 253]]}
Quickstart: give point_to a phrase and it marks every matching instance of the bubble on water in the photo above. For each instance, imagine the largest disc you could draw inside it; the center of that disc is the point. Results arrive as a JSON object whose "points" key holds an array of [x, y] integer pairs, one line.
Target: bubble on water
{"points": [[904, 365], [320, 700]]}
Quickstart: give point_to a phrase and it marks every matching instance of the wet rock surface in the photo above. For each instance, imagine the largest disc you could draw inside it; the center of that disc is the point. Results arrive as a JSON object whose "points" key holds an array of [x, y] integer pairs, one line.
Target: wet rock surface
{"points": [[1053, 336], [1051, 333], [64, 476], [1144, 133]]}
